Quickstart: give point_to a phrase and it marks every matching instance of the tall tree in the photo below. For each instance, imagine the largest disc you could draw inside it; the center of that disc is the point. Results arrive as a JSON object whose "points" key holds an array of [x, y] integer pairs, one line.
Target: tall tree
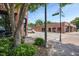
{"points": [[22, 11], [31, 24], [76, 22], [16, 29], [38, 22], [49, 22]]}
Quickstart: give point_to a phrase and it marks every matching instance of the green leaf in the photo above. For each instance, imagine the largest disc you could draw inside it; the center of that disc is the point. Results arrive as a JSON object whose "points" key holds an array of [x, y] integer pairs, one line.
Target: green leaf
{"points": [[34, 6], [64, 4], [18, 5]]}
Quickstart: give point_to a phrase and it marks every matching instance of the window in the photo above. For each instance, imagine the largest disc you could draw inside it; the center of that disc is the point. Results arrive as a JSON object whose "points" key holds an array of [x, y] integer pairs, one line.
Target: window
{"points": [[53, 29], [43, 29], [49, 29]]}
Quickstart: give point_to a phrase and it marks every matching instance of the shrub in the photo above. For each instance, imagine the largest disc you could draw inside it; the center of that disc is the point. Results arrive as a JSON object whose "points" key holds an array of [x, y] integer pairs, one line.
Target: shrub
{"points": [[4, 47], [12, 41], [22, 40], [11, 46], [25, 50], [39, 42]]}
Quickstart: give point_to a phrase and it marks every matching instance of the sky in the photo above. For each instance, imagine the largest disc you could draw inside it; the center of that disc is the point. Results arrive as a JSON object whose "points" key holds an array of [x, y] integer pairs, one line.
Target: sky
{"points": [[70, 12]]}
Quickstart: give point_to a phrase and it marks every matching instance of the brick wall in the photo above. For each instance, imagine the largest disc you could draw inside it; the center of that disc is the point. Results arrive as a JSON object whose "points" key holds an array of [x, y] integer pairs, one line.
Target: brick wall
{"points": [[55, 27]]}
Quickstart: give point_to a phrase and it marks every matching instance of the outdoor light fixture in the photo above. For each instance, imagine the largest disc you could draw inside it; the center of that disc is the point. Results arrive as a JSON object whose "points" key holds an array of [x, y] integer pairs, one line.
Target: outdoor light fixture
{"points": [[45, 25], [60, 11], [60, 14]]}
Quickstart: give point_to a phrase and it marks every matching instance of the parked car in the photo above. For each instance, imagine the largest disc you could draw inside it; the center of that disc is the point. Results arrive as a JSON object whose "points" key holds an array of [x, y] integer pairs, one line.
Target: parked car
{"points": [[4, 32], [8, 33]]}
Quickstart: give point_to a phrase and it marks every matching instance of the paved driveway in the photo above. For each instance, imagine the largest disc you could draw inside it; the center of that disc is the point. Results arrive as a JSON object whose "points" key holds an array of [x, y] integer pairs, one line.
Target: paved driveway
{"points": [[68, 47], [50, 36], [72, 37]]}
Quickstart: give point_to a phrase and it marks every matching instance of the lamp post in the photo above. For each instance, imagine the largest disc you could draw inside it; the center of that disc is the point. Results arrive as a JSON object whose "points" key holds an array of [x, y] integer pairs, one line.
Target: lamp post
{"points": [[60, 20], [45, 24]]}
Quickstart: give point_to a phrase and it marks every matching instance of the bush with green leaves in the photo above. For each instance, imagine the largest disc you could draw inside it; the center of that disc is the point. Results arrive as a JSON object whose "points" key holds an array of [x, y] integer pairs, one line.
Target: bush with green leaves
{"points": [[11, 46], [4, 47], [25, 50], [39, 42], [12, 41]]}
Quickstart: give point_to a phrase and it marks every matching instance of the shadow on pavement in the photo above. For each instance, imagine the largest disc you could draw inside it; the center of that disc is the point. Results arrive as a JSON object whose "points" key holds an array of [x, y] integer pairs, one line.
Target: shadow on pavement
{"points": [[65, 49]]}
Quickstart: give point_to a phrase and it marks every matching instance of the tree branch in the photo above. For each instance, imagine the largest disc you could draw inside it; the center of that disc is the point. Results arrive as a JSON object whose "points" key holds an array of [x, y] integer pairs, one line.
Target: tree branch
{"points": [[22, 14]]}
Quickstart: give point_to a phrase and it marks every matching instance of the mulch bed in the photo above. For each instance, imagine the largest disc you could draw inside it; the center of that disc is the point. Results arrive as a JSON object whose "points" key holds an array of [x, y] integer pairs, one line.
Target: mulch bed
{"points": [[42, 51]]}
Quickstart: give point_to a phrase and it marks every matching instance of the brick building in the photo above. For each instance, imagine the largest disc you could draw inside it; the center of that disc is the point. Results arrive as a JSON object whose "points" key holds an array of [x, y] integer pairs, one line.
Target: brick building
{"points": [[55, 27]]}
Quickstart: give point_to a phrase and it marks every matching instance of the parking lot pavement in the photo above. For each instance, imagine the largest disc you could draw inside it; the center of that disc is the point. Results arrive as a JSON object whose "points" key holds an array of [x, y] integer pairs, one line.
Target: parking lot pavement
{"points": [[71, 37], [68, 47], [50, 36]]}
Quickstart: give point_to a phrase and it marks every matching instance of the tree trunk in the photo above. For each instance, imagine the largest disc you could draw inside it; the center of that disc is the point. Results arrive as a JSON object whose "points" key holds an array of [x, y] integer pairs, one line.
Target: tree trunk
{"points": [[16, 35], [16, 29], [17, 38], [22, 14], [11, 18]]}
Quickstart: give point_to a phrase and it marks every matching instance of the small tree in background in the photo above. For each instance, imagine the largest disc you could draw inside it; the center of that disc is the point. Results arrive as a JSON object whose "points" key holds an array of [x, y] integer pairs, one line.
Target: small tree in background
{"points": [[76, 22], [38, 22]]}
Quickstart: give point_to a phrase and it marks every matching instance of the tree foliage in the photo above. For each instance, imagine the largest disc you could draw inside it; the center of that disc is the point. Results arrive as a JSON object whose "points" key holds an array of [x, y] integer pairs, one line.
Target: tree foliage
{"points": [[48, 22], [64, 4], [76, 22], [31, 24], [22, 10], [34, 6], [38, 22]]}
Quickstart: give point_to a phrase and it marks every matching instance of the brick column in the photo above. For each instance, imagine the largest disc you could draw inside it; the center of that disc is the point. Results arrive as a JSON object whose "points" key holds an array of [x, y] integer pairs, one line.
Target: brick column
{"points": [[56, 30], [69, 28]]}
